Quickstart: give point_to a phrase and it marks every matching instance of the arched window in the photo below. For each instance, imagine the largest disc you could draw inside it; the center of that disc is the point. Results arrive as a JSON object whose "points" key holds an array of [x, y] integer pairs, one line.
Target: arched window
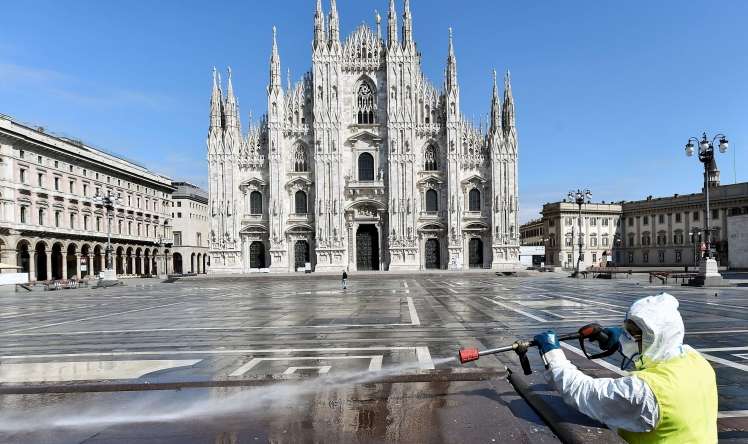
{"points": [[365, 104], [255, 202], [299, 159], [300, 203], [365, 167], [432, 201], [474, 200], [431, 160]]}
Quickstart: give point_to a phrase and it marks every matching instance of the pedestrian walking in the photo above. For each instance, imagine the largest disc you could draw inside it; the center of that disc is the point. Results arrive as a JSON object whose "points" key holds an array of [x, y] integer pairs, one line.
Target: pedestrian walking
{"points": [[345, 280]]}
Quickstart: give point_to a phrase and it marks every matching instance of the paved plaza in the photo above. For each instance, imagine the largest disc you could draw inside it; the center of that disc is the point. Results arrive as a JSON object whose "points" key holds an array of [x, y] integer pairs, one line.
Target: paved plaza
{"points": [[267, 358]]}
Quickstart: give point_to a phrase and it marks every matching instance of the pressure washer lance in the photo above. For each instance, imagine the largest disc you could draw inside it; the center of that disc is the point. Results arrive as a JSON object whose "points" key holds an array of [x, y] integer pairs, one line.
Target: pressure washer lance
{"points": [[591, 332]]}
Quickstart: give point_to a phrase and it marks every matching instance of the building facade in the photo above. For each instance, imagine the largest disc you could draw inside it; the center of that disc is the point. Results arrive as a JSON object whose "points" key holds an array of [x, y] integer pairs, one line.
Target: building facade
{"points": [[532, 233], [190, 227], [363, 164], [737, 226], [600, 223], [50, 225], [666, 231], [654, 232]]}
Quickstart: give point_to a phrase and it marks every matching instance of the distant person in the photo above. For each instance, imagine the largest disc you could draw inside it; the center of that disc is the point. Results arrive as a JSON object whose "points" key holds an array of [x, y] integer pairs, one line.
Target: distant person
{"points": [[670, 397], [345, 280]]}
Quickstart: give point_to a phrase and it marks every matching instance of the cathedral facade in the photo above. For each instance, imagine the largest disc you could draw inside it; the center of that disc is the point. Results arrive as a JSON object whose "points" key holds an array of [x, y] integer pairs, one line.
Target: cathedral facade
{"points": [[362, 164]]}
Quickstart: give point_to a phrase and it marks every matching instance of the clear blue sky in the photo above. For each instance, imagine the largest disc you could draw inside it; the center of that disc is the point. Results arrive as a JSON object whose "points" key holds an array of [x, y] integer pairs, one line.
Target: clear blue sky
{"points": [[607, 92]]}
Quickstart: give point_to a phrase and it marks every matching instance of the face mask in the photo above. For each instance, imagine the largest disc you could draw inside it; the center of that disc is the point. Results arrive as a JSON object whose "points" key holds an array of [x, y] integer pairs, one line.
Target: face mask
{"points": [[629, 346]]}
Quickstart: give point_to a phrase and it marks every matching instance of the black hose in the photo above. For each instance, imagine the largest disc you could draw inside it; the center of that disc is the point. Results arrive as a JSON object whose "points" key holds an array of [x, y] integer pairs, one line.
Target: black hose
{"points": [[565, 431]]}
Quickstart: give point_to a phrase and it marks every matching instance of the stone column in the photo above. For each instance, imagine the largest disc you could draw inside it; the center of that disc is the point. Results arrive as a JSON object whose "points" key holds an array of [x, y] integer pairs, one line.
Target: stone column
{"points": [[49, 265], [142, 265], [78, 271], [354, 264], [32, 265], [102, 261], [669, 240], [421, 252], [465, 252], [351, 241], [380, 239], [65, 266], [245, 254]]}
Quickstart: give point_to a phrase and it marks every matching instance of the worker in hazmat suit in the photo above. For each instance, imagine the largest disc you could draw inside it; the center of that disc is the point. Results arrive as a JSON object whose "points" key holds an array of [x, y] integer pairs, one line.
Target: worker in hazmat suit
{"points": [[671, 396]]}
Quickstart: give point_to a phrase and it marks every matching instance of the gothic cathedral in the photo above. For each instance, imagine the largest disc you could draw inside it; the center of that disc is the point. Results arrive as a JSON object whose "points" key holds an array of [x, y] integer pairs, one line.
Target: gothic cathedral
{"points": [[362, 165]]}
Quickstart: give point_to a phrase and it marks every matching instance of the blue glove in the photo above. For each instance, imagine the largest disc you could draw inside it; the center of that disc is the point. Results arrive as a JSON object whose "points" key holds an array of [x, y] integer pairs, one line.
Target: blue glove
{"points": [[547, 341], [614, 334]]}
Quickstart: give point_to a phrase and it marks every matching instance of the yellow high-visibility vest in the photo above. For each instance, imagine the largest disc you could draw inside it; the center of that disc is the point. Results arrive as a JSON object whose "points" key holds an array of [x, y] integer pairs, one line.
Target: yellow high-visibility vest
{"points": [[686, 392]]}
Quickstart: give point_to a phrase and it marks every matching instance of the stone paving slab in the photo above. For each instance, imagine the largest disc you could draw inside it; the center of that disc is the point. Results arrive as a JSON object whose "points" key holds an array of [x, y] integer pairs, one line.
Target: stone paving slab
{"points": [[269, 326]]}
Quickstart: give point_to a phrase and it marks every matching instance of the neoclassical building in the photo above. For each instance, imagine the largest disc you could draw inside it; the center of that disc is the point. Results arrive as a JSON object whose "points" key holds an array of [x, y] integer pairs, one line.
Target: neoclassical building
{"points": [[652, 232], [51, 225], [189, 215], [362, 164]]}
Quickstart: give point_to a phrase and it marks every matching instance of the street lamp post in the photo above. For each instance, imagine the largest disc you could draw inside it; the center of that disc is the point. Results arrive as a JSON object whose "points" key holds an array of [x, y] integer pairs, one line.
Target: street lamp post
{"points": [[580, 197], [695, 235], [708, 270], [617, 242], [163, 242], [109, 202]]}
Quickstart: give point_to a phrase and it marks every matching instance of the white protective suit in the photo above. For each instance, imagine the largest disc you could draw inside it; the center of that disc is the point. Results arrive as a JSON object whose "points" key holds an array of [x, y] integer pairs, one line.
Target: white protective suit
{"points": [[626, 402]]}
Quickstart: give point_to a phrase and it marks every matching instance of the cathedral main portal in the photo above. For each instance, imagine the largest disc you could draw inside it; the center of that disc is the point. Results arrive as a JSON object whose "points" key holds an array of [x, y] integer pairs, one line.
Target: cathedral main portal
{"points": [[475, 253], [367, 247], [257, 255], [301, 254], [433, 254]]}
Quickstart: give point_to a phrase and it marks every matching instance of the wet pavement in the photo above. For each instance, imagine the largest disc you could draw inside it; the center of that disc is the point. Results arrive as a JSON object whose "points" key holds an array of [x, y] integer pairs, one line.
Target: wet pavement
{"points": [[288, 359], [402, 412]]}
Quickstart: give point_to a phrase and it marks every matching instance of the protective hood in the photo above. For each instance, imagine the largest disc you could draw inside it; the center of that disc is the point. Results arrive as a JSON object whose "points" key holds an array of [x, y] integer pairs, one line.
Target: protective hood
{"points": [[662, 328]]}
